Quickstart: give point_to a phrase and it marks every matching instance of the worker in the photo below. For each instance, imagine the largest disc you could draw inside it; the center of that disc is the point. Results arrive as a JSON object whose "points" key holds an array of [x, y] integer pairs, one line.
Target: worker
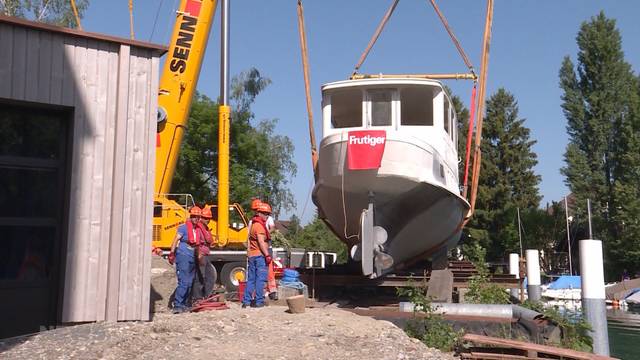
{"points": [[272, 287], [186, 241], [204, 279], [258, 256]]}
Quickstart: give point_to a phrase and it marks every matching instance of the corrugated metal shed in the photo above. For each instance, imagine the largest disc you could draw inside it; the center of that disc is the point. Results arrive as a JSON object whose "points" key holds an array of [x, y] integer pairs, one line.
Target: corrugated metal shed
{"points": [[111, 86]]}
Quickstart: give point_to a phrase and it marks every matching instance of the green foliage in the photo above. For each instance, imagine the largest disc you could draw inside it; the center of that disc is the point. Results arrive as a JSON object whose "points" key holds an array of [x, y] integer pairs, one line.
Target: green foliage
{"points": [[574, 328], [481, 291], [261, 162], [426, 325], [601, 102], [57, 12], [507, 180], [317, 236]]}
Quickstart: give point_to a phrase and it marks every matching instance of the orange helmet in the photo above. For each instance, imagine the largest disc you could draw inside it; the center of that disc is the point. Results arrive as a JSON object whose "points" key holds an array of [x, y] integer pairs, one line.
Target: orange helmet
{"points": [[264, 208], [206, 213], [255, 203], [195, 211]]}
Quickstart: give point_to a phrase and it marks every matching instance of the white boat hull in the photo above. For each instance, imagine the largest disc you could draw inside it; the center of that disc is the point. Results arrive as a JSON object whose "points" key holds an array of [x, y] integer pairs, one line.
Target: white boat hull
{"points": [[414, 191]]}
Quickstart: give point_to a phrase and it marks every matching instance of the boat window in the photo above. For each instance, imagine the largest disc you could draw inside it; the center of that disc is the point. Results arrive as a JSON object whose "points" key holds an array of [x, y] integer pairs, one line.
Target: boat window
{"points": [[447, 116], [346, 108], [380, 107], [416, 106]]}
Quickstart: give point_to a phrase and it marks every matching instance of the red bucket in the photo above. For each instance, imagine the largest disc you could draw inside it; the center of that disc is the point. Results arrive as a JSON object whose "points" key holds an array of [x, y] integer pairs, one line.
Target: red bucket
{"points": [[241, 286]]}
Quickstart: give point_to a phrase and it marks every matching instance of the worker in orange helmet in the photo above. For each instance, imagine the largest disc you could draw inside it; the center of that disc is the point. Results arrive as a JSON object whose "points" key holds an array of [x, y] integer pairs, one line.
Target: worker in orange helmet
{"points": [[258, 257], [183, 248], [272, 286], [205, 275]]}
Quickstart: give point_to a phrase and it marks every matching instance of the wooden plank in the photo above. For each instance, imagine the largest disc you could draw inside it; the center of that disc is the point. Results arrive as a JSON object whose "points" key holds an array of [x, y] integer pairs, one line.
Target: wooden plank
{"points": [[551, 350], [83, 143], [92, 178], [150, 150], [68, 73], [6, 65], [117, 199], [494, 356], [107, 95], [45, 54], [32, 67], [136, 143], [57, 69], [19, 62], [70, 312]]}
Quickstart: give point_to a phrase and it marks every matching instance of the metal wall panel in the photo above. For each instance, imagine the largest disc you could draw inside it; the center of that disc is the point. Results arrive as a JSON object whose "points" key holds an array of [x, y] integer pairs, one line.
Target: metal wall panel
{"points": [[113, 91]]}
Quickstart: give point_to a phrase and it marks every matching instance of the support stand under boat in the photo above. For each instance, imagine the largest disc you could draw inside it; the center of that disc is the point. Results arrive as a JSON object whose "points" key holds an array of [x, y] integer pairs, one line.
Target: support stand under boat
{"points": [[370, 251]]}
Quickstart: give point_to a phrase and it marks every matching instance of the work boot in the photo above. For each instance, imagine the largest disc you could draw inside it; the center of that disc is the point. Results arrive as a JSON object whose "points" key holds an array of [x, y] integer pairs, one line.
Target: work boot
{"points": [[257, 306], [179, 310], [273, 296]]}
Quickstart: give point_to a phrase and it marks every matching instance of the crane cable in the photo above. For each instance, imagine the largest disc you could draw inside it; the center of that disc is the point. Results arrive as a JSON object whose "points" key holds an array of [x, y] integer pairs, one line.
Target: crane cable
{"points": [[75, 14], [131, 19], [375, 36], [464, 56], [307, 88]]}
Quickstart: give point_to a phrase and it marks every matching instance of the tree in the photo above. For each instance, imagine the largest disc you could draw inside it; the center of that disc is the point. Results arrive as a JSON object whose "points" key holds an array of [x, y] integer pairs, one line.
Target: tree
{"points": [[261, 162], [601, 103], [57, 12], [317, 236], [507, 181]]}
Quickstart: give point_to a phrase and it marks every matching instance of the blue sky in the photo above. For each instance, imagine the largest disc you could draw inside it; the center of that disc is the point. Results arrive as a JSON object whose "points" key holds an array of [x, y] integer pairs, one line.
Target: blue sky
{"points": [[530, 38]]}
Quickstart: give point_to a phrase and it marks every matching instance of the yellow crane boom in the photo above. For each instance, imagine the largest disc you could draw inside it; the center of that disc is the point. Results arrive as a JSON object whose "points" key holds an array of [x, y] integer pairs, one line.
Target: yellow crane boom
{"points": [[178, 83]]}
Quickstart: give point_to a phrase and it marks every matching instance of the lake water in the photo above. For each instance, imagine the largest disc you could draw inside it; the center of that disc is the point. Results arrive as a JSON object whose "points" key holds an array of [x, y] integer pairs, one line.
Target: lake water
{"points": [[624, 334]]}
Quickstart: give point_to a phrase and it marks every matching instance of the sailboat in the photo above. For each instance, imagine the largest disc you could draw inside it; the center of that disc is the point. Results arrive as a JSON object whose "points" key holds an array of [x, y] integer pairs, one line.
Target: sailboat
{"points": [[387, 178]]}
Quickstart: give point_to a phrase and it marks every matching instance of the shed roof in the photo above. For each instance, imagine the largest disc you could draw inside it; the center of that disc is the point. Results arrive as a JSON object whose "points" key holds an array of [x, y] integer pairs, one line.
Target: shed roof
{"points": [[158, 49]]}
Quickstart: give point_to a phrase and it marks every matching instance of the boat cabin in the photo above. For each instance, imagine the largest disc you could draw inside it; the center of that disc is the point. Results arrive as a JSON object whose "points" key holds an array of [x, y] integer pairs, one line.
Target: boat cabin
{"points": [[417, 107]]}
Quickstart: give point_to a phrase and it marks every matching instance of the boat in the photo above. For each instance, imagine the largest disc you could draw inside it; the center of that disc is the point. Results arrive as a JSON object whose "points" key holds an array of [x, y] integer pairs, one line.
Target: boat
{"points": [[387, 180], [564, 288]]}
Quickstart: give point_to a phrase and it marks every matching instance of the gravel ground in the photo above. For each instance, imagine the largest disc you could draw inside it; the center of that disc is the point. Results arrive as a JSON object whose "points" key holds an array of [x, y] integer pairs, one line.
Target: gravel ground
{"points": [[266, 333]]}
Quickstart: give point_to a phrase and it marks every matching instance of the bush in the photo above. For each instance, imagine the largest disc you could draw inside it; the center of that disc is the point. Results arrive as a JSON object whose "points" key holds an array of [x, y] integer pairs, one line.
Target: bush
{"points": [[426, 325], [574, 328], [481, 291]]}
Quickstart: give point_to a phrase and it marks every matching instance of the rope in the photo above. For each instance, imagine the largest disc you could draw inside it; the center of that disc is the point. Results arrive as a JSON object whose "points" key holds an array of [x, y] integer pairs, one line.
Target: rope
{"points": [[465, 58], [375, 36], [307, 87], [75, 14], [306, 201], [131, 19], [469, 136], [213, 302], [155, 21], [344, 204]]}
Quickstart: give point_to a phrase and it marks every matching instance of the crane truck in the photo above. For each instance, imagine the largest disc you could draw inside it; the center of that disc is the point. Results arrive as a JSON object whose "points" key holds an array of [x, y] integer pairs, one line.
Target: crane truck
{"points": [[177, 86]]}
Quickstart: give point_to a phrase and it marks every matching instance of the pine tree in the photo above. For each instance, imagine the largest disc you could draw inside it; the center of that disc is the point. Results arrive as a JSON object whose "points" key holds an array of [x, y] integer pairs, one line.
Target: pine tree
{"points": [[601, 103], [507, 180]]}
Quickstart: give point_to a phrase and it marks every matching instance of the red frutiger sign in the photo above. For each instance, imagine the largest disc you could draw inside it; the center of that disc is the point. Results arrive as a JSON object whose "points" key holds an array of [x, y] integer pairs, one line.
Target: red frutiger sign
{"points": [[365, 149]]}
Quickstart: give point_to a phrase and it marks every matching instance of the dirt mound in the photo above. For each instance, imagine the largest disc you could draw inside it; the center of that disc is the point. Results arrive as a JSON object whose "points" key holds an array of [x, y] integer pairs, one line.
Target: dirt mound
{"points": [[266, 333]]}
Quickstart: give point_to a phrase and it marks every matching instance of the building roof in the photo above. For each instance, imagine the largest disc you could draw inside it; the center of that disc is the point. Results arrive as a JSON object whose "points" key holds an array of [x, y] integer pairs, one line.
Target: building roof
{"points": [[158, 49]]}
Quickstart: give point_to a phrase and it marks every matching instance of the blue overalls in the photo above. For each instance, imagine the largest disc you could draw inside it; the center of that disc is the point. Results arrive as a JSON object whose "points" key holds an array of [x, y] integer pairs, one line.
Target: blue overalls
{"points": [[185, 269]]}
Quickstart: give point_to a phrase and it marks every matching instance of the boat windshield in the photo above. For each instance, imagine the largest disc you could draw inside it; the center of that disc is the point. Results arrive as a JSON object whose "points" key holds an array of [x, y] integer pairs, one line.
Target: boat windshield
{"points": [[380, 107], [346, 108], [416, 106]]}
